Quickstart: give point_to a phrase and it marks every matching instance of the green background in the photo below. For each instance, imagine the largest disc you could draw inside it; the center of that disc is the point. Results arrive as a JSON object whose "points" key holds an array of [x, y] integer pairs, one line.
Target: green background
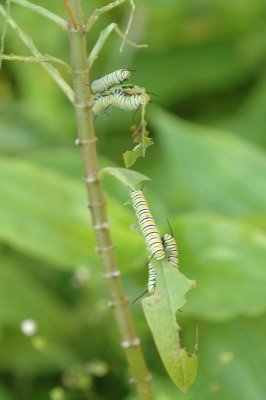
{"points": [[206, 67]]}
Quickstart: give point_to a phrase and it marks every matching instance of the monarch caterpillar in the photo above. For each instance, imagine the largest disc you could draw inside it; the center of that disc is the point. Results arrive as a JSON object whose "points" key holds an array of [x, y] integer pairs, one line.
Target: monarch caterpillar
{"points": [[109, 80], [171, 250], [147, 225], [130, 100], [125, 97], [152, 278], [101, 102]]}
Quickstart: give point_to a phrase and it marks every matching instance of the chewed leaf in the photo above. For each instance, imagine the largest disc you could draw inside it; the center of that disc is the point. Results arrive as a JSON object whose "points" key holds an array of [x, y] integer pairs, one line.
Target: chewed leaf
{"points": [[131, 156], [139, 132], [128, 177], [160, 311], [140, 136]]}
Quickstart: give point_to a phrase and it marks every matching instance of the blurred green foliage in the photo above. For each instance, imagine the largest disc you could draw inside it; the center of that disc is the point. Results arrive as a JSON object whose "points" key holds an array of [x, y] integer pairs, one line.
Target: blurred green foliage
{"points": [[206, 65]]}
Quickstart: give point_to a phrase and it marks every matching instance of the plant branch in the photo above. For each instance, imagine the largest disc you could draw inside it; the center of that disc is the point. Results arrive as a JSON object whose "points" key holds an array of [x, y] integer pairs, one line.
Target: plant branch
{"points": [[42, 11], [128, 24], [33, 59], [130, 342], [71, 15], [100, 11], [104, 34], [52, 71]]}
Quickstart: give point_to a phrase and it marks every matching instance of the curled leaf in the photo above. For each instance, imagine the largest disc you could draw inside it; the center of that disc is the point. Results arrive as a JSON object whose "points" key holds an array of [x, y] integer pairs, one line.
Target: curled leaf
{"points": [[128, 177], [140, 136], [131, 156]]}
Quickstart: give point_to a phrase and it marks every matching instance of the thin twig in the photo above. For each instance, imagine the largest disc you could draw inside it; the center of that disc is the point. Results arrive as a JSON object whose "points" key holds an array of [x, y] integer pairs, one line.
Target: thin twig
{"points": [[72, 17], [104, 34], [52, 71], [100, 11], [42, 11], [2, 42], [44, 58], [128, 25]]}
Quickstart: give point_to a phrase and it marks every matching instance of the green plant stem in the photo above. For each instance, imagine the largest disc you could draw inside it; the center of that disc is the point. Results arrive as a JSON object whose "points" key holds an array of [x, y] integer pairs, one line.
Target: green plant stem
{"points": [[130, 342], [104, 34], [100, 11], [33, 59], [42, 11], [52, 71]]}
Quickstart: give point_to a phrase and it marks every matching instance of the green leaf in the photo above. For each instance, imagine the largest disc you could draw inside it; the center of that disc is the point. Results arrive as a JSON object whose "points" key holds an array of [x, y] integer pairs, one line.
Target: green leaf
{"points": [[128, 177], [208, 169], [231, 363], [227, 259], [131, 156], [250, 119], [160, 311], [43, 214]]}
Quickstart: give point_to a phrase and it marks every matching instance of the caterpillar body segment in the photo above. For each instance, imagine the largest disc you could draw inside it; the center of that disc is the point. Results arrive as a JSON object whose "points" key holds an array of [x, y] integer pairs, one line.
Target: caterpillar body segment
{"points": [[147, 225], [109, 80], [152, 280], [171, 249], [101, 103], [130, 99]]}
